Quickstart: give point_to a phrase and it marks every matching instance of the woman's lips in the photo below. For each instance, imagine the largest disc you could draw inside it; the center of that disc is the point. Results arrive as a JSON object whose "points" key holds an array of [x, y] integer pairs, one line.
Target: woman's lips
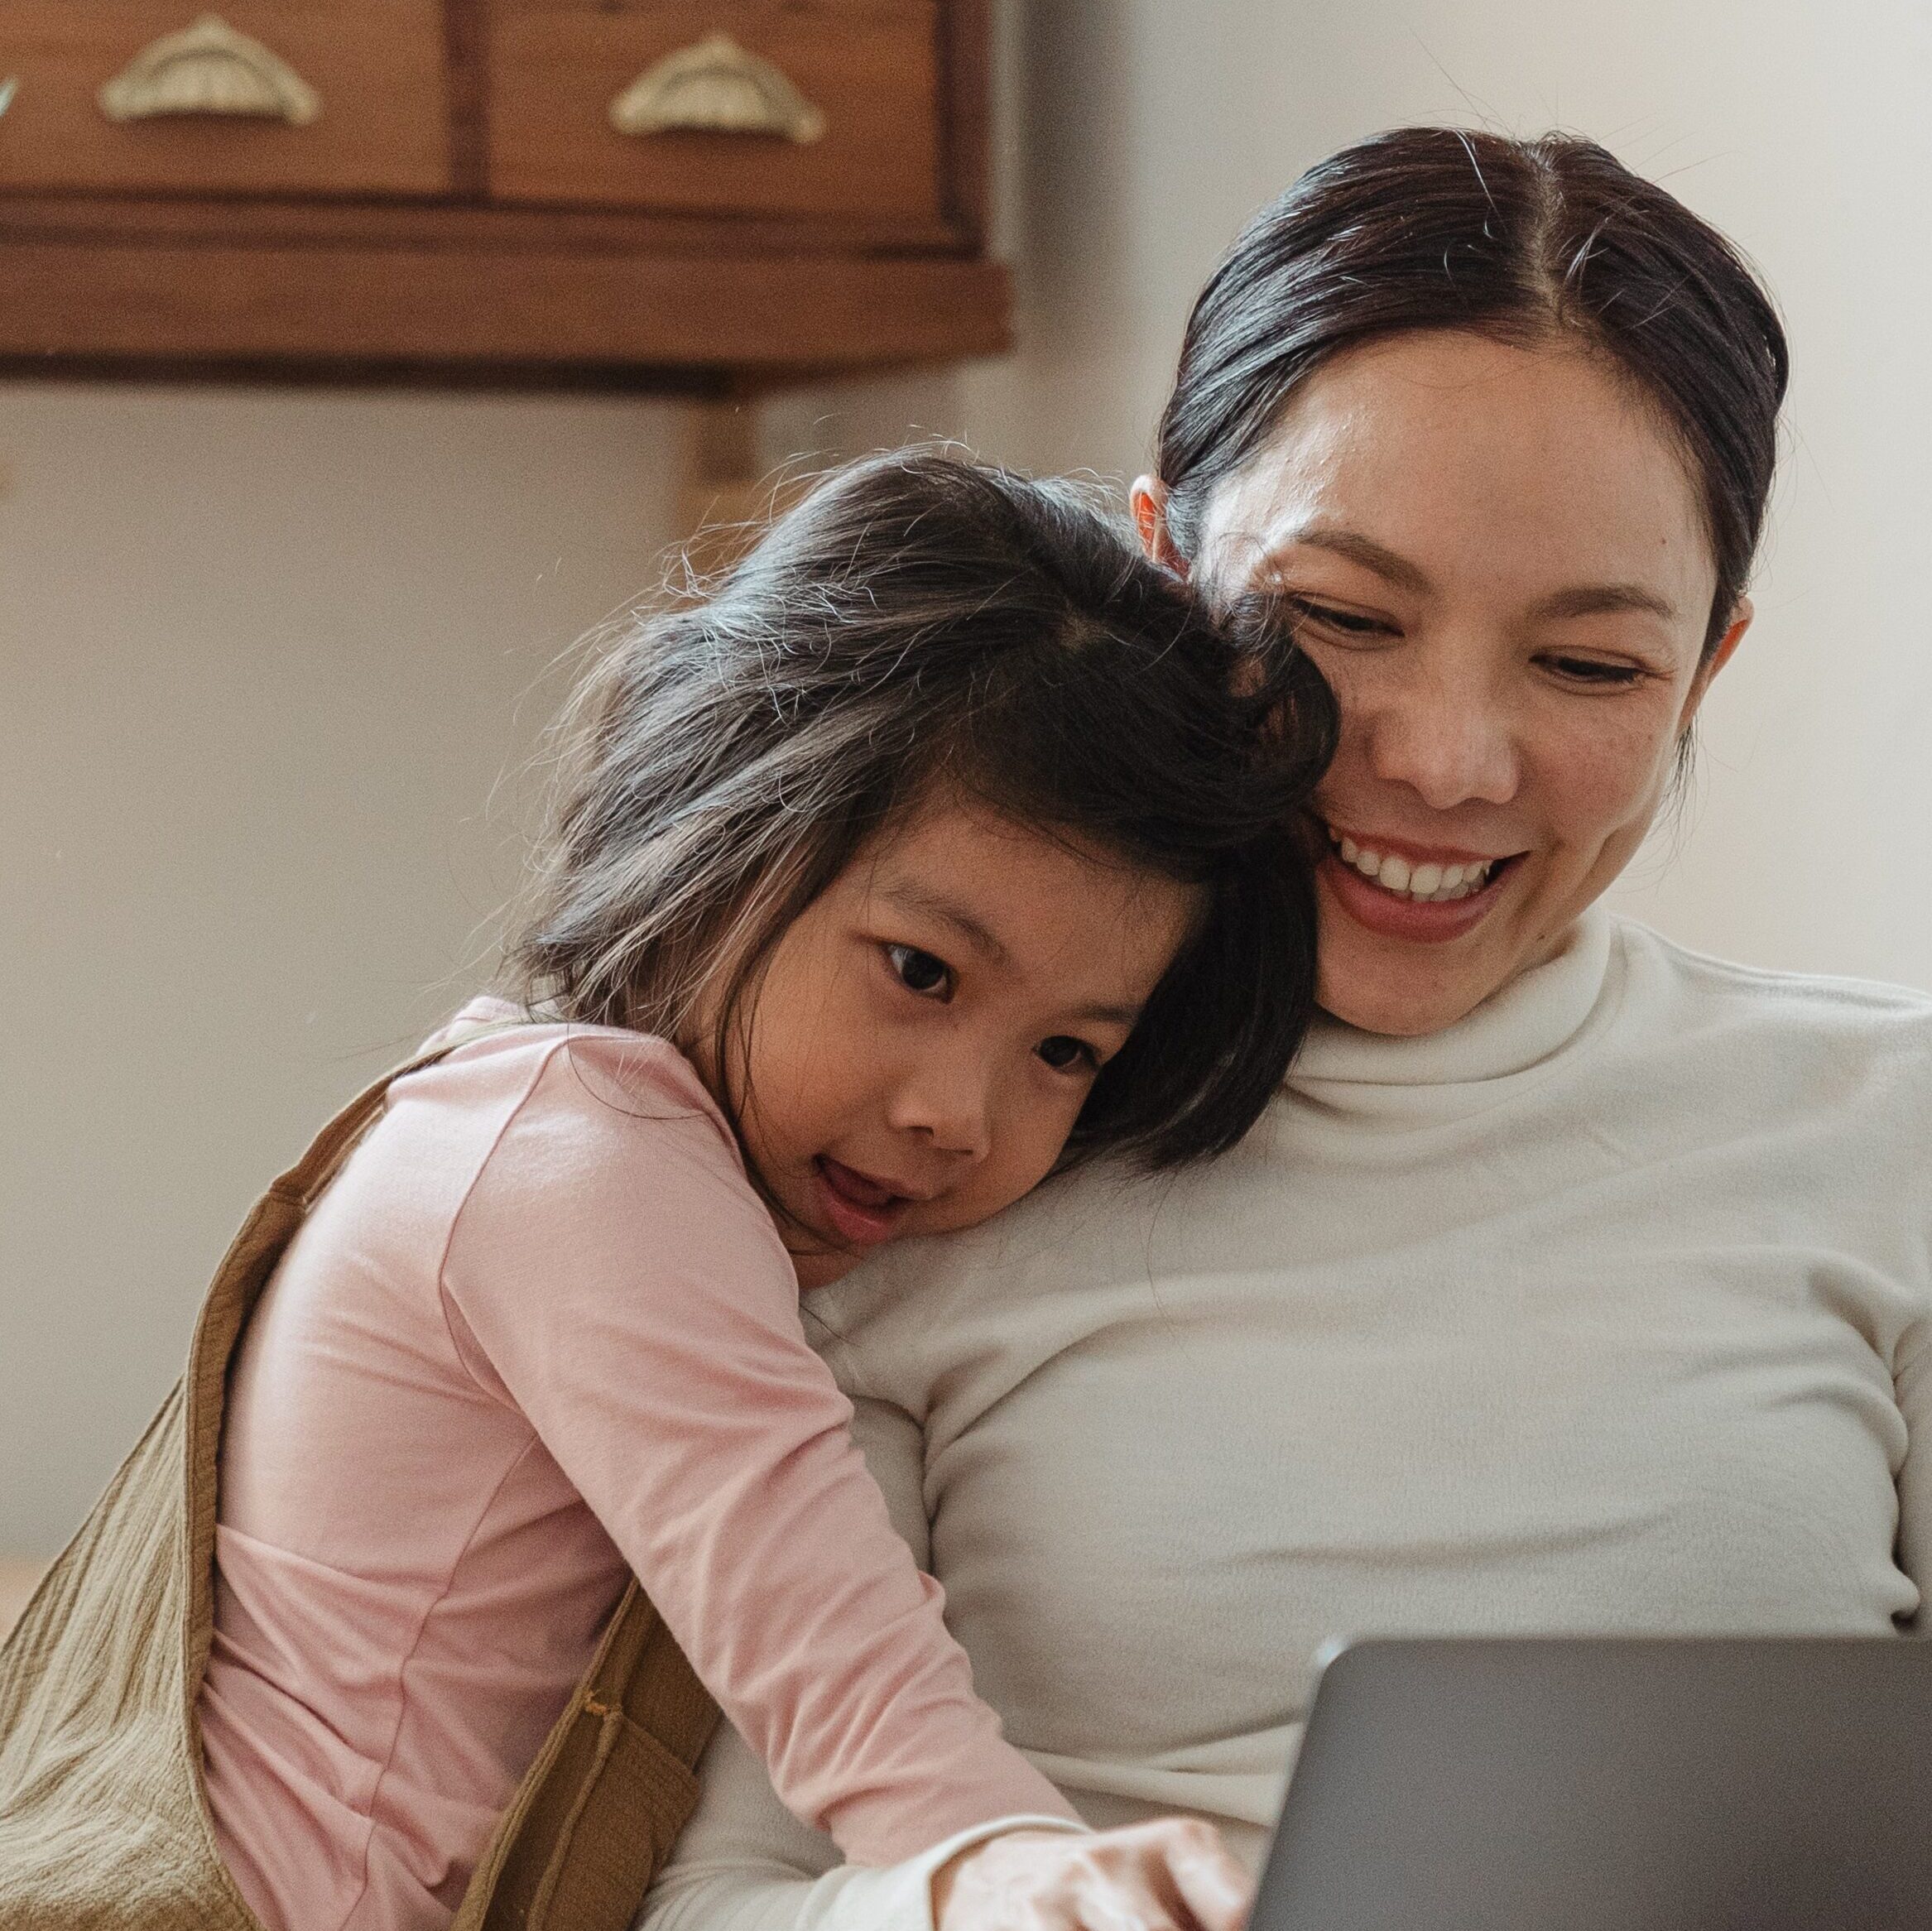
{"points": [[860, 1210], [1394, 916]]}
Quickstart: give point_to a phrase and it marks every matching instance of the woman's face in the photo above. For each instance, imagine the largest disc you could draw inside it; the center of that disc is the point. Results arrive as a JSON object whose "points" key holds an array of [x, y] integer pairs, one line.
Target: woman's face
{"points": [[1498, 561]]}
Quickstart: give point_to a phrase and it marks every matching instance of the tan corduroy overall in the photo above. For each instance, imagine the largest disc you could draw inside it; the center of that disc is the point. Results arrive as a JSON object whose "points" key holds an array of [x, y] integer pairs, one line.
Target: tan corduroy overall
{"points": [[103, 1816]]}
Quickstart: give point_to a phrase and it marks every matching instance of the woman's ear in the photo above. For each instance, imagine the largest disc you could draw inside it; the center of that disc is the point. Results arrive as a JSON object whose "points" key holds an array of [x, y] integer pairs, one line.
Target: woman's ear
{"points": [[1742, 613], [1148, 500]]}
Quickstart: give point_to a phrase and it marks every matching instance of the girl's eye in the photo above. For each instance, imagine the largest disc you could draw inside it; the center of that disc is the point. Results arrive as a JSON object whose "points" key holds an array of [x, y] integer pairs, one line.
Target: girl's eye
{"points": [[920, 972], [1065, 1054]]}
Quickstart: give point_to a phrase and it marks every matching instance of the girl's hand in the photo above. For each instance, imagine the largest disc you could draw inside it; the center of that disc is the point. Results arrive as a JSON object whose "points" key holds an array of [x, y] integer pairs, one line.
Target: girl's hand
{"points": [[1174, 1874]]}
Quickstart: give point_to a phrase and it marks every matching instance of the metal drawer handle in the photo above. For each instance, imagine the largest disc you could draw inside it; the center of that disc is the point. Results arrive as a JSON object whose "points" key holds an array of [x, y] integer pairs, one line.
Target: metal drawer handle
{"points": [[715, 87], [210, 68]]}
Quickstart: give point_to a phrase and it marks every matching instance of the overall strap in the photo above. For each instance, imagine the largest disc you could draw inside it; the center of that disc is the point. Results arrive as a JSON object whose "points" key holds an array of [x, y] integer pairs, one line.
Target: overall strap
{"points": [[104, 1815], [237, 1285], [597, 1813], [598, 1810]]}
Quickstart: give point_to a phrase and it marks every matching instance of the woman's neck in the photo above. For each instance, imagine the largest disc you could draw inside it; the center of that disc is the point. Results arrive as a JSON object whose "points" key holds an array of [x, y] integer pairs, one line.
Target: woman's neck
{"points": [[1533, 1018]]}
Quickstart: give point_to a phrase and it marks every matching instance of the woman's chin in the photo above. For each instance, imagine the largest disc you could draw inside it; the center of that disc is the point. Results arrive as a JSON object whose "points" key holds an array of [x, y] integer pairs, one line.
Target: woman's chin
{"points": [[1400, 1012], [1405, 987]]}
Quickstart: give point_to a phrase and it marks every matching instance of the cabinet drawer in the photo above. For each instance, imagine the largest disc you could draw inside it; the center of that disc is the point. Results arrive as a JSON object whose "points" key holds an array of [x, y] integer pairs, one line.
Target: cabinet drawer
{"points": [[860, 79], [373, 119]]}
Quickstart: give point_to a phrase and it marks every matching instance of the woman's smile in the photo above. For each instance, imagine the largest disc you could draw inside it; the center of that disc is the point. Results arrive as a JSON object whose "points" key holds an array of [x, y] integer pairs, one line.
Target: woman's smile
{"points": [[1404, 889]]}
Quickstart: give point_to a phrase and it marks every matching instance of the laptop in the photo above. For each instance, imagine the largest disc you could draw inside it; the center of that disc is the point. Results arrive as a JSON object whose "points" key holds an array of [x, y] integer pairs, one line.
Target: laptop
{"points": [[1611, 1784]]}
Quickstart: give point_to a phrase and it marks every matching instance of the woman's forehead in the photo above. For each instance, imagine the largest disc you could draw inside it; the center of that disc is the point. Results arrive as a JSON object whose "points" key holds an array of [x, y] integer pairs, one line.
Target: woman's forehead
{"points": [[1469, 460]]}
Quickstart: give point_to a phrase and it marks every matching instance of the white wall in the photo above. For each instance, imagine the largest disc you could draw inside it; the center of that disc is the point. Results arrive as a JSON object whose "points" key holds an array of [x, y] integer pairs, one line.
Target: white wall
{"points": [[263, 660], [263, 657]]}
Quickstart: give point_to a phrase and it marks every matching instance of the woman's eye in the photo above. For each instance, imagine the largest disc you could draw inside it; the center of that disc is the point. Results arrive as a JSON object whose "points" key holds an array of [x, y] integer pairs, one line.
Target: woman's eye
{"points": [[1595, 670], [920, 972], [1348, 623], [1065, 1054]]}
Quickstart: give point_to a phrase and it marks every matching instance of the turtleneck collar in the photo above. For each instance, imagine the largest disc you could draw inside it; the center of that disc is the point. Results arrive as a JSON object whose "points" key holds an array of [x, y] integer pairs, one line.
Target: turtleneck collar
{"points": [[1535, 1020]]}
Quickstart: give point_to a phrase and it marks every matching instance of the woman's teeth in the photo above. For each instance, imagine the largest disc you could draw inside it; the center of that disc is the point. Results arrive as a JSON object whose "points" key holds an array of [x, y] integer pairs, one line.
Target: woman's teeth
{"points": [[1427, 885]]}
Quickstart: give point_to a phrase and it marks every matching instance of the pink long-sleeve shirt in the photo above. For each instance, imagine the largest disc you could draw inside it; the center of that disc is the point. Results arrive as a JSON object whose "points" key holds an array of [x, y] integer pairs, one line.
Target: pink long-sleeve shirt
{"points": [[541, 1333]]}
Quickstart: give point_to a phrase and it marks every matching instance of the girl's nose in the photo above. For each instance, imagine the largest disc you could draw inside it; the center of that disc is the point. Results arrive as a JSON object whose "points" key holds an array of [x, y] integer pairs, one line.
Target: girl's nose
{"points": [[1448, 738], [946, 1098]]}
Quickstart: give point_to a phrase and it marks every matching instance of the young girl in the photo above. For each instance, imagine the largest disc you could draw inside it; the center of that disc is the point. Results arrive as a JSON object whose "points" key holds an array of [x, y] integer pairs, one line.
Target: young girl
{"points": [[948, 843]]}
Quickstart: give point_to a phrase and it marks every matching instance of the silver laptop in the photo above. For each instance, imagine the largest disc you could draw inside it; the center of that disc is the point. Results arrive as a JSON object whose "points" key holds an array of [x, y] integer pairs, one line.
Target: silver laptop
{"points": [[1613, 1784]]}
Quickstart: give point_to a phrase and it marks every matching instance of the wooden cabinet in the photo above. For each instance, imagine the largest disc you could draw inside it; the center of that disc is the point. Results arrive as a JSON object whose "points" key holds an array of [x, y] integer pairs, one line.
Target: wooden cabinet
{"points": [[866, 70], [697, 193], [377, 64]]}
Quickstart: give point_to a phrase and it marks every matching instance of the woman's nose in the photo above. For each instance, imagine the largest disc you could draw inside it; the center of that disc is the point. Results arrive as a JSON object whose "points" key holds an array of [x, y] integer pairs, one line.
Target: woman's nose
{"points": [[1447, 738]]}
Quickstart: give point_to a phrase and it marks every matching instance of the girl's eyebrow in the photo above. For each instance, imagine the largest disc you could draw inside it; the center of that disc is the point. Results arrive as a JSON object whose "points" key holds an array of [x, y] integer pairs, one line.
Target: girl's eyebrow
{"points": [[935, 905], [974, 930], [1121, 1015]]}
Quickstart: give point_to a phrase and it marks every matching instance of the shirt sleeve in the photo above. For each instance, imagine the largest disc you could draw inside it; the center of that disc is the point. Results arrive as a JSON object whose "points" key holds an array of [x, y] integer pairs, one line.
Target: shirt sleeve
{"points": [[613, 1274], [743, 1863]]}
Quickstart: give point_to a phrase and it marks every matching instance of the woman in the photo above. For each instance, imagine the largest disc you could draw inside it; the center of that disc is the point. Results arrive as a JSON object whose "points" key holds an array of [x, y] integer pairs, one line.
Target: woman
{"points": [[1574, 1282]]}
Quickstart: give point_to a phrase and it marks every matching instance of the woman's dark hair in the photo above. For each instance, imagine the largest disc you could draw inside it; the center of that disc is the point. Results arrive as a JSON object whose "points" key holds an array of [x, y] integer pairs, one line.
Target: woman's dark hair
{"points": [[1438, 228], [923, 626]]}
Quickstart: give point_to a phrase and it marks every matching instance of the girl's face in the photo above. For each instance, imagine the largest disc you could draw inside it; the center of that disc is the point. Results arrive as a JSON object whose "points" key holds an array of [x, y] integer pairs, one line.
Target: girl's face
{"points": [[1499, 563], [927, 1031]]}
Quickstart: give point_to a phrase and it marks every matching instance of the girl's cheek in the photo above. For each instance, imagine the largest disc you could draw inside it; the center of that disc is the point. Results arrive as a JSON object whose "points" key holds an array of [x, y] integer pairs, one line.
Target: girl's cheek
{"points": [[1050, 1142], [1025, 1139]]}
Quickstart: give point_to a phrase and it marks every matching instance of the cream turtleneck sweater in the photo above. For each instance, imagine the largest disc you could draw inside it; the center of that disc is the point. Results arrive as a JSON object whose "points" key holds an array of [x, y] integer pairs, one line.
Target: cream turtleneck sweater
{"points": [[1609, 1308]]}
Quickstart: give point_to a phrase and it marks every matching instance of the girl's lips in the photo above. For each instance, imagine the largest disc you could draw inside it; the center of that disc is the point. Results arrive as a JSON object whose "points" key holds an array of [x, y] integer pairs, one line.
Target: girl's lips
{"points": [[1409, 919], [857, 1209]]}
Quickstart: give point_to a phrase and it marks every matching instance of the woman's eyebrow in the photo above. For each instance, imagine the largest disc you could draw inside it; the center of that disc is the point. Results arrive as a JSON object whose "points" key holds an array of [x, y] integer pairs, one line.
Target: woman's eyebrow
{"points": [[1580, 600], [1602, 599], [1384, 562]]}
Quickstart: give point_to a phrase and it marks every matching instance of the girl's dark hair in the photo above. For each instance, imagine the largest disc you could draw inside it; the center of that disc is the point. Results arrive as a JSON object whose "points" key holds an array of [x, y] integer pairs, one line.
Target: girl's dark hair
{"points": [[919, 627], [1438, 228]]}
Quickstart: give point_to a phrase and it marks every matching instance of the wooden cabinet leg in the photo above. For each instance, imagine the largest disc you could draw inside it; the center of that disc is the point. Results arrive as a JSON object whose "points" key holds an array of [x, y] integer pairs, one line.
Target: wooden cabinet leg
{"points": [[725, 488]]}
